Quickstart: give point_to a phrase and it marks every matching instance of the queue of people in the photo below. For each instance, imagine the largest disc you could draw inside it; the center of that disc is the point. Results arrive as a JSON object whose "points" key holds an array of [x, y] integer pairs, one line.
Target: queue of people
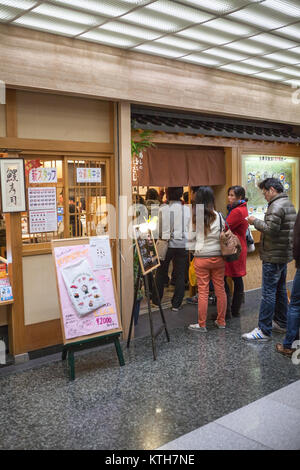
{"points": [[280, 243]]}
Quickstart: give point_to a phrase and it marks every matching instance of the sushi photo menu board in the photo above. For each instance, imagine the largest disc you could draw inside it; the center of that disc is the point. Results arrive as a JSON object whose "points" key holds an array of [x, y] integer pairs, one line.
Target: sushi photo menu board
{"points": [[87, 296]]}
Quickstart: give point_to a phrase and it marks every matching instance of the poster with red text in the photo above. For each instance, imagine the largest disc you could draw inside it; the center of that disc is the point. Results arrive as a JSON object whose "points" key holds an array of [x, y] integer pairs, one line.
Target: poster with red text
{"points": [[101, 319]]}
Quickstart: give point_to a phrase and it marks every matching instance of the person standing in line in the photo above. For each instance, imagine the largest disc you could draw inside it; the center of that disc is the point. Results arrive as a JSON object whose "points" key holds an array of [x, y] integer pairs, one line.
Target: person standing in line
{"points": [[208, 261], [174, 219], [236, 220], [275, 253], [293, 316]]}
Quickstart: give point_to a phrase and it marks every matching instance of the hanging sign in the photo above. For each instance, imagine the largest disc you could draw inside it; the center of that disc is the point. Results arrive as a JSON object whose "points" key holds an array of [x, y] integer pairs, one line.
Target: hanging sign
{"points": [[12, 185], [43, 175], [88, 175]]}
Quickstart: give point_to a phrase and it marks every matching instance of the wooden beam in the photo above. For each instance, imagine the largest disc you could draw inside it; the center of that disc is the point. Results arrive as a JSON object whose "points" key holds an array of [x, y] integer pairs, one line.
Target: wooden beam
{"points": [[55, 145], [11, 114]]}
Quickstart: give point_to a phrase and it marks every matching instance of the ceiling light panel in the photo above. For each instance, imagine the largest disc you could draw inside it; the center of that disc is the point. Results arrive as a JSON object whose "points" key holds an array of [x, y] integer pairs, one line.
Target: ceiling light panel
{"points": [[155, 20], [131, 30], [69, 15], [231, 27], [251, 48], [257, 15], [109, 8], [159, 49], [293, 71], [273, 76], [289, 7], [202, 33], [240, 68], [217, 6], [225, 53], [273, 40], [109, 38], [20, 4], [262, 63], [285, 57], [209, 61], [43, 23], [179, 11], [9, 9], [186, 44], [292, 31], [294, 83]]}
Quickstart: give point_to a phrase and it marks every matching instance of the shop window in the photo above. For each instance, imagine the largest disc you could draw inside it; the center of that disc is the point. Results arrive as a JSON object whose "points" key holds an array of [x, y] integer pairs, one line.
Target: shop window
{"points": [[66, 197]]}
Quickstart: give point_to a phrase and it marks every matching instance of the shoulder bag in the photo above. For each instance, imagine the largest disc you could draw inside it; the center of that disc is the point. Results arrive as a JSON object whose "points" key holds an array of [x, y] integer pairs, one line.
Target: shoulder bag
{"points": [[230, 244]]}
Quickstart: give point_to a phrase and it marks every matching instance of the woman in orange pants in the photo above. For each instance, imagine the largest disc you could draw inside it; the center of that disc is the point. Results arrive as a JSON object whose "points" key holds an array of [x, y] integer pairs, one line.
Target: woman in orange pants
{"points": [[208, 262]]}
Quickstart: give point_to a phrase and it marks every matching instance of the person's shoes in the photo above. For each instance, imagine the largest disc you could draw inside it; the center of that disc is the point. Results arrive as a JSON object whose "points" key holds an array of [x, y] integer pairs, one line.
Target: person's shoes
{"points": [[218, 325], [256, 335], [176, 309], [196, 327], [277, 328], [284, 351], [192, 300]]}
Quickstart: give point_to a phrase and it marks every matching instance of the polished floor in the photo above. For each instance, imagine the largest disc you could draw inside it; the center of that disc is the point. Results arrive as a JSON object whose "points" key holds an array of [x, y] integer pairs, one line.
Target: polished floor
{"points": [[197, 379]]}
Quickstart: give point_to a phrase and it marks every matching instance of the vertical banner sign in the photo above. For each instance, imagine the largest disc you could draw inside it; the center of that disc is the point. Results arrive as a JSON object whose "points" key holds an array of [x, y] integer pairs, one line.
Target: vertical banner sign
{"points": [[12, 185]]}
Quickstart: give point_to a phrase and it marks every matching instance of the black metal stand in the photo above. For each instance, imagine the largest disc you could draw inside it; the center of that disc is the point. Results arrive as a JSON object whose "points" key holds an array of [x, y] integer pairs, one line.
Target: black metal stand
{"points": [[69, 349], [147, 293]]}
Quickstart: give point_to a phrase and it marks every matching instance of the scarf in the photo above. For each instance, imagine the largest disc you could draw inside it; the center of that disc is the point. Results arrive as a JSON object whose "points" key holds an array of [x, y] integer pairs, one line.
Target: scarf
{"points": [[238, 203]]}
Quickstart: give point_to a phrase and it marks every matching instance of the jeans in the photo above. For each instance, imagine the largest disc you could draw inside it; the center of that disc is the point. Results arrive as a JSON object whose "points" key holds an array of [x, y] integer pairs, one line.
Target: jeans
{"points": [[274, 300], [180, 256], [293, 316]]}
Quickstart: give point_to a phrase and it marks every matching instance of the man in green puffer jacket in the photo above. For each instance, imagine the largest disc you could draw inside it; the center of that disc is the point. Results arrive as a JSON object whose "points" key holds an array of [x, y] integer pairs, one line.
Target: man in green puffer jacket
{"points": [[276, 250]]}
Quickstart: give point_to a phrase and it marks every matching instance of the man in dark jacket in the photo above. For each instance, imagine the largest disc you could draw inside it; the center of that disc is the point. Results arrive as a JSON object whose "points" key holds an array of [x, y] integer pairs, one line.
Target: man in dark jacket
{"points": [[293, 317], [275, 253]]}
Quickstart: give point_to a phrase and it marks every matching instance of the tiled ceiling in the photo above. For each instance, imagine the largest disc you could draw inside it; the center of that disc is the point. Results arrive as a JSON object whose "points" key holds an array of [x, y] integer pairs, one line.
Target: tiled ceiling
{"points": [[259, 38]]}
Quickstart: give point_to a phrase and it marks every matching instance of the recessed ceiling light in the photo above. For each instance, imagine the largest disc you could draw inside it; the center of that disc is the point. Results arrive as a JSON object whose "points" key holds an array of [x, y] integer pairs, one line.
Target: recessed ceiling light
{"points": [[294, 82], [151, 19], [68, 15], [260, 16], [21, 4], [219, 6], [289, 7], [202, 59], [131, 30], [274, 76], [240, 68], [248, 47], [232, 27], [109, 38], [289, 71], [272, 40], [182, 43], [179, 11], [261, 62], [159, 49], [205, 34], [285, 57], [225, 53], [293, 31], [104, 7], [44, 23]]}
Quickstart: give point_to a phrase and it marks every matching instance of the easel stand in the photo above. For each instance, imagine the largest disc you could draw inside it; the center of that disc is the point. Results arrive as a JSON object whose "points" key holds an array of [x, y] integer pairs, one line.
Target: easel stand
{"points": [[69, 349], [147, 292]]}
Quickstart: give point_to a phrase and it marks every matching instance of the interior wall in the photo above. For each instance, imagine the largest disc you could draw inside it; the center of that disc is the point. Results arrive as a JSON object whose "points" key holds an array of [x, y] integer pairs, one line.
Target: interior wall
{"points": [[58, 117], [40, 291], [3, 315], [2, 121]]}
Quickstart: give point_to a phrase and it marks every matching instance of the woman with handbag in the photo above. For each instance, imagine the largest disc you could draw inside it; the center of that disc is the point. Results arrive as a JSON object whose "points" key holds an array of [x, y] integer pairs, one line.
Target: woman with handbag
{"points": [[235, 220], [208, 260]]}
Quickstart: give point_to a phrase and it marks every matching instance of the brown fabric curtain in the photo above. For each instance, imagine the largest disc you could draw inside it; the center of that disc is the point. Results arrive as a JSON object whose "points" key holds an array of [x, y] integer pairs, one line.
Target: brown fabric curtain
{"points": [[167, 166]]}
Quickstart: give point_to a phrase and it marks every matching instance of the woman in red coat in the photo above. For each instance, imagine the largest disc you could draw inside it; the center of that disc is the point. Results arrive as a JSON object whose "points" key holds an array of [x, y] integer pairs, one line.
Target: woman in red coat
{"points": [[237, 212]]}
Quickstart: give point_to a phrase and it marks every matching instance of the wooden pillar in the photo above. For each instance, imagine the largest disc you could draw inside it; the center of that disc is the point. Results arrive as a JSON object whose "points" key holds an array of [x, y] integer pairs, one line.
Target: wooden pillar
{"points": [[125, 190], [16, 319]]}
